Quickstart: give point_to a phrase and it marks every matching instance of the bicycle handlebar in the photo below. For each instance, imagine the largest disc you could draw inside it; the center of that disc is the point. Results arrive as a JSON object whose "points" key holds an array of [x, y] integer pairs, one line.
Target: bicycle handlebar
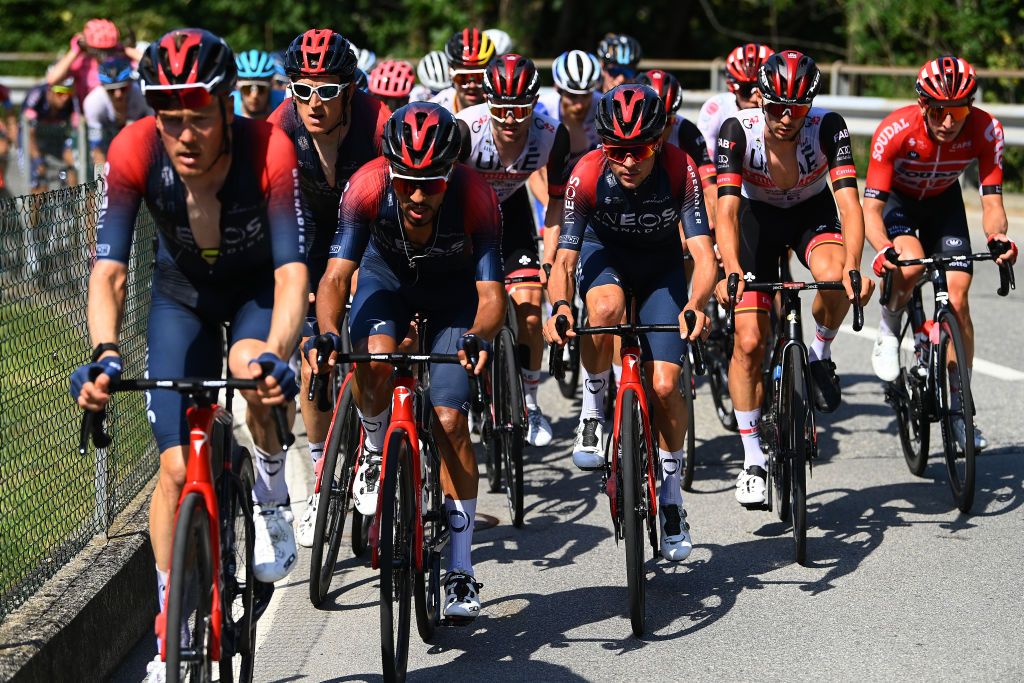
{"points": [[1007, 281], [396, 358], [826, 285], [318, 382]]}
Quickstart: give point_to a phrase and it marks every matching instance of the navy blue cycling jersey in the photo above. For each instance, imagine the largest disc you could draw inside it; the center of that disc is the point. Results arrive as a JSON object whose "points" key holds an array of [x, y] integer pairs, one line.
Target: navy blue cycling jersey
{"points": [[261, 210], [467, 229], [598, 208]]}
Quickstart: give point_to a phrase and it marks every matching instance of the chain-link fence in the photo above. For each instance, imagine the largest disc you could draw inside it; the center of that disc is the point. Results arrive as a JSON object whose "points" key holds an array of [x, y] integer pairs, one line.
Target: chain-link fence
{"points": [[53, 500]]}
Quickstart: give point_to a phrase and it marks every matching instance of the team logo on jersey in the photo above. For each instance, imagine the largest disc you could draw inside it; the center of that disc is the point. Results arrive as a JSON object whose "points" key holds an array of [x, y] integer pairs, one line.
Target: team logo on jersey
{"points": [[913, 155], [887, 134]]}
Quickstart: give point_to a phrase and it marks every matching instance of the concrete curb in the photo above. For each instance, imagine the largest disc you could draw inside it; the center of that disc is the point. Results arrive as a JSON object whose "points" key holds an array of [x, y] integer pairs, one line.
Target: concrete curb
{"points": [[79, 625]]}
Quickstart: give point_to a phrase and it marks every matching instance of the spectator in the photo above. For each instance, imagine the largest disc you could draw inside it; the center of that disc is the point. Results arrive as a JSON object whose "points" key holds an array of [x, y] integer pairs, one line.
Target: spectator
{"points": [[51, 114], [116, 103], [8, 131], [98, 40]]}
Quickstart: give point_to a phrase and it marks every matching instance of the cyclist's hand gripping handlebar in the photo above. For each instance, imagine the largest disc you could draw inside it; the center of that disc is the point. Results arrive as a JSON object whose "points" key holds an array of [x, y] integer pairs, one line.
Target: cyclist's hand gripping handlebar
{"points": [[92, 423], [555, 365], [858, 308], [732, 285], [699, 367], [323, 345], [1006, 278], [887, 276], [284, 433]]}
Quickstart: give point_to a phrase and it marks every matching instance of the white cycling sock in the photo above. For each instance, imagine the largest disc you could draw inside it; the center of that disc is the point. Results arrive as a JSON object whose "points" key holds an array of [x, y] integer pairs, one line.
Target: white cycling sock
{"points": [[161, 588], [375, 428], [750, 434], [821, 347], [889, 323], [531, 383], [270, 487], [316, 451], [461, 519], [671, 476], [595, 384]]}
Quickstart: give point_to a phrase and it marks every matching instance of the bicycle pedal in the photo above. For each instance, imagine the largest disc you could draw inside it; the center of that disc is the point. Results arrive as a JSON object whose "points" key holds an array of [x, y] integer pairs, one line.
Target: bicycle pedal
{"points": [[756, 506], [456, 622]]}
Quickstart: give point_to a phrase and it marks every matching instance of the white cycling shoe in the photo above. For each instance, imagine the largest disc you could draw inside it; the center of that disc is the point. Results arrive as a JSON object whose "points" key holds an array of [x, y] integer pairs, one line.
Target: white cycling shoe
{"points": [[960, 434], [275, 552], [588, 449], [676, 543], [307, 525], [750, 487], [461, 596], [367, 482], [156, 671], [538, 429], [885, 357]]}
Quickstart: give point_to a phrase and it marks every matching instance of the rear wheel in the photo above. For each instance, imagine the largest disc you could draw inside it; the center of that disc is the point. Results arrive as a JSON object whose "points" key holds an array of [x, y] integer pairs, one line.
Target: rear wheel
{"points": [[190, 594], [237, 548], [510, 421], [953, 374], [686, 380], [428, 581], [907, 398], [396, 554], [718, 351], [632, 440]]}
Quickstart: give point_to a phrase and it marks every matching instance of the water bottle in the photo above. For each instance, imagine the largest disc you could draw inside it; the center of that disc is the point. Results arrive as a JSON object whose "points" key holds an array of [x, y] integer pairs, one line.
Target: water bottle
{"points": [[922, 337]]}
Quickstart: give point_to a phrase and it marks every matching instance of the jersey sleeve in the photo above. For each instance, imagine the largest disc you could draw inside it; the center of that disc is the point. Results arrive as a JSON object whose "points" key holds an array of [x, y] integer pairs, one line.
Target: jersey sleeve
{"points": [[990, 156], [130, 155], [691, 141], [29, 108], [360, 204], [284, 199], [558, 163], [580, 197], [880, 165], [706, 124], [834, 139], [730, 147], [483, 225], [686, 188]]}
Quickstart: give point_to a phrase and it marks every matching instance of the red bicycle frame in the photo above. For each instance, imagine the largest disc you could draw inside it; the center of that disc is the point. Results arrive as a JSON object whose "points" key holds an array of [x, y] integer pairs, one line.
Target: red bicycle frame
{"points": [[631, 380]]}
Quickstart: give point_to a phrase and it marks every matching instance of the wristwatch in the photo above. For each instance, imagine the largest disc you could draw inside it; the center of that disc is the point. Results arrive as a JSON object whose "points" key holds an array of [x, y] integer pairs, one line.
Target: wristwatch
{"points": [[558, 304], [103, 348]]}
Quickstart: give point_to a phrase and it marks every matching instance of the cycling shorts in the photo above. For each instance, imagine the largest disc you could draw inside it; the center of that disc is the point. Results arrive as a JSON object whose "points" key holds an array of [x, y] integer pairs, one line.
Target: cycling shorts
{"points": [[186, 342], [384, 305], [519, 234], [658, 283], [940, 223]]}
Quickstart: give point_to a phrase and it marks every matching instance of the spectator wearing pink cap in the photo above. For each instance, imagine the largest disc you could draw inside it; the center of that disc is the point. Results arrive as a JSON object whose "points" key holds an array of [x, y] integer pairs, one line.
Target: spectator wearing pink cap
{"points": [[98, 40]]}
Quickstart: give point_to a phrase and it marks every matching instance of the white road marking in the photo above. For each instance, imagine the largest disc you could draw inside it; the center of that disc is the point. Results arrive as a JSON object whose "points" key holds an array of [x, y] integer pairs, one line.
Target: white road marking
{"points": [[981, 366]]}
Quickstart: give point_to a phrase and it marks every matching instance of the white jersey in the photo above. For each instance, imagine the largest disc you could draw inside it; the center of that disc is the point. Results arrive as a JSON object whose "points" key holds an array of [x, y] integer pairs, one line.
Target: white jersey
{"points": [[420, 93], [550, 104], [446, 98], [712, 114], [484, 158], [101, 118]]}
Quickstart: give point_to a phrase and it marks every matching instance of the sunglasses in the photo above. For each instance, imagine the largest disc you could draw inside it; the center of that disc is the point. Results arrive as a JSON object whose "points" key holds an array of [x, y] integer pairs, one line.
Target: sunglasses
{"points": [[325, 92], [575, 96], [518, 112], [186, 98], [407, 185], [62, 89], [616, 71], [777, 110], [618, 153], [466, 79], [959, 113], [252, 87]]}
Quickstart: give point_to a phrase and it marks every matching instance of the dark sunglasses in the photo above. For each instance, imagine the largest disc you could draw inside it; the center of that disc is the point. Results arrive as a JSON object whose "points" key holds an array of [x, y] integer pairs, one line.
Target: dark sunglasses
{"points": [[777, 110], [407, 186], [468, 78], [618, 153], [180, 98], [616, 71]]}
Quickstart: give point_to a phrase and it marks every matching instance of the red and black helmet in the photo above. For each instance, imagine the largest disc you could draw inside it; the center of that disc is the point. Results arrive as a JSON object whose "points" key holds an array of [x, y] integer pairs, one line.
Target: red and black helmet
{"points": [[667, 87], [469, 48], [392, 78], [320, 52], [422, 139], [947, 79], [630, 114], [743, 63], [186, 57], [789, 77], [511, 78]]}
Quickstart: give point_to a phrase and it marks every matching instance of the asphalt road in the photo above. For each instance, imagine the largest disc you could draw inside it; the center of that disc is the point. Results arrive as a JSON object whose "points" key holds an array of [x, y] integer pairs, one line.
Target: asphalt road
{"points": [[899, 584]]}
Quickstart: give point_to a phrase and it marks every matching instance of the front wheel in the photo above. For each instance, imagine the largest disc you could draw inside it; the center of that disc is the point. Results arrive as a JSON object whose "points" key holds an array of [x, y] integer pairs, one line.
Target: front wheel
{"points": [[396, 555], [510, 421], [632, 444], [189, 595], [906, 395], [952, 376], [237, 559], [796, 440], [687, 387]]}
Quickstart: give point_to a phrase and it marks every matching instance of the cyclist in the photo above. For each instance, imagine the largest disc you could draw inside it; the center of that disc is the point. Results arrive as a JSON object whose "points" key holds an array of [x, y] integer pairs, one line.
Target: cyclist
{"points": [[620, 56], [773, 169], [51, 114], [469, 51], [424, 233], [573, 102], [109, 108], [507, 142], [502, 41], [391, 82], [334, 129], [223, 195], [98, 40], [256, 96], [741, 67], [623, 205], [434, 76], [913, 203]]}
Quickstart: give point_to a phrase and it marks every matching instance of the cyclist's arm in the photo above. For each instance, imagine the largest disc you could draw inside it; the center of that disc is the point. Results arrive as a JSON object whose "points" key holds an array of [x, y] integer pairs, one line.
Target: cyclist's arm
{"points": [[990, 174], [106, 301], [60, 70], [879, 184], [835, 143], [874, 225], [705, 271], [556, 173], [333, 292], [538, 182], [730, 148], [993, 215]]}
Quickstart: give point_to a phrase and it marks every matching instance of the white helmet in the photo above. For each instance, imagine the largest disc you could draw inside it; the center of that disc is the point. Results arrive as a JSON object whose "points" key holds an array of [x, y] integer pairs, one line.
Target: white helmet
{"points": [[365, 59], [502, 41], [576, 72], [433, 71]]}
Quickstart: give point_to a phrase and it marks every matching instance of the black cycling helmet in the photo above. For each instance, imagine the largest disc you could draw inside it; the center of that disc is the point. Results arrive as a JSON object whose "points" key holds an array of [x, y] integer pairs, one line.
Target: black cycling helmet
{"points": [[667, 87], [319, 52], [511, 78], [185, 57], [630, 114], [618, 49], [422, 139], [789, 77]]}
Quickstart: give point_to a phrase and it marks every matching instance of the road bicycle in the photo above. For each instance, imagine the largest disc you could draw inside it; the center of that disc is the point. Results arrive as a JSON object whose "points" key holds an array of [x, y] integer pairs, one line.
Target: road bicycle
{"points": [[629, 474], [213, 600], [718, 352], [788, 435], [929, 372], [569, 382]]}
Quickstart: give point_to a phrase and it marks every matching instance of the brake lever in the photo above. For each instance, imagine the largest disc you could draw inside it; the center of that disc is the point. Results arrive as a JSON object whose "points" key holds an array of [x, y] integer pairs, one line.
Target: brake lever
{"points": [[858, 308], [555, 365], [284, 433], [318, 382], [731, 286], [699, 366]]}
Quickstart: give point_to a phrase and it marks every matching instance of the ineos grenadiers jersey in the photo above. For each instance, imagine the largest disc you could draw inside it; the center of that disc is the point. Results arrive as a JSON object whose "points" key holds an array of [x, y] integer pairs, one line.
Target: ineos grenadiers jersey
{"points": [[550, 104], [687, 137], [261, 214], [598, 208], [547, 144], [712, 115], [822, 150], [905, 158], [467, 228]]}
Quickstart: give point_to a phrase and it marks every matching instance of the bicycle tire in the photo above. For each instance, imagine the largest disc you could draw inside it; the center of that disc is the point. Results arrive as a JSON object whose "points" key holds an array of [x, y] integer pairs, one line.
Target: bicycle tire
{"points": [[686, 382], [718, 378], [912, 420], [360, 532], [569, 383], [492, 445], [428, 581], [631, 453], [238, 581], [959, 465], [796, 462], [335, 495], [396, 560], [511, 420], [191, 570]]}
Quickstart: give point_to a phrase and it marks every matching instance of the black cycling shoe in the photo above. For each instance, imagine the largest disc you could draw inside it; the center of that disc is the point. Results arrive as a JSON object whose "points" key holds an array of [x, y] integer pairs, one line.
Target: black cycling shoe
{"points": [[825, 385]]}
